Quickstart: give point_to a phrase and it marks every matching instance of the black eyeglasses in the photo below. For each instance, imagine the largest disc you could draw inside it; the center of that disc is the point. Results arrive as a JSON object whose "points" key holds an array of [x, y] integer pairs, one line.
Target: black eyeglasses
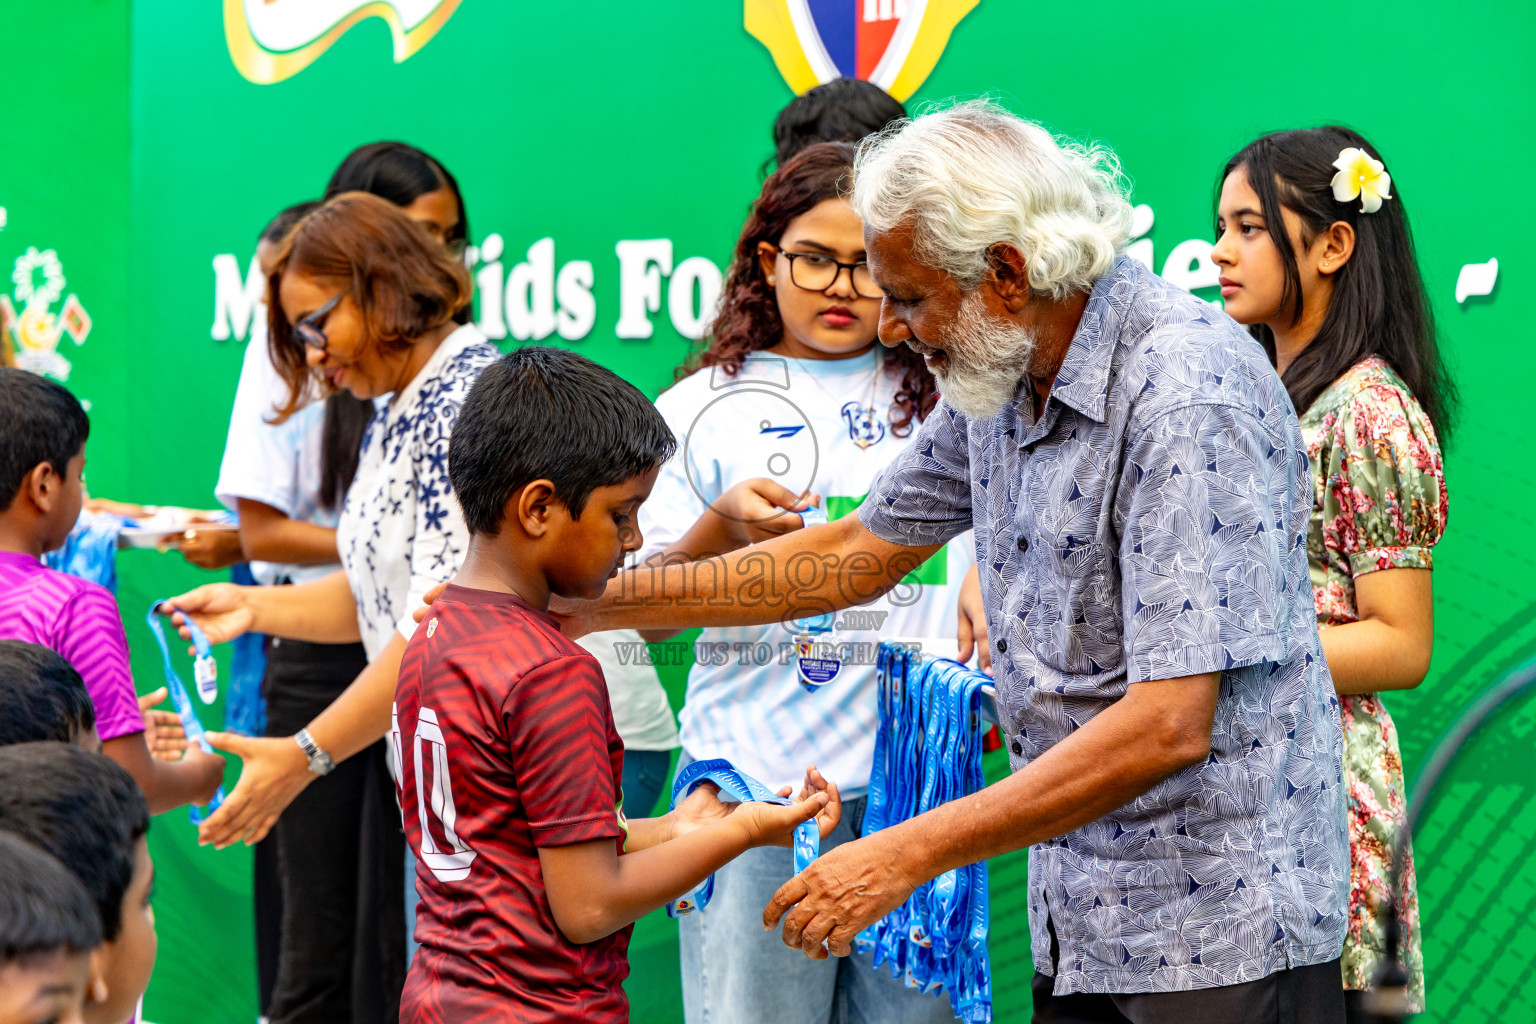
{"points": [[816, 273], [311, 331]]}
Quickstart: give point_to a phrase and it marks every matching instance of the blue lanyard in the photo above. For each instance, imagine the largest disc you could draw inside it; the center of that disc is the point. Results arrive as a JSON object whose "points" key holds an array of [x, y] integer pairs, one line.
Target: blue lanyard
{"points": [[179, 697], [817, 659], [928, 752], [737, 785]]}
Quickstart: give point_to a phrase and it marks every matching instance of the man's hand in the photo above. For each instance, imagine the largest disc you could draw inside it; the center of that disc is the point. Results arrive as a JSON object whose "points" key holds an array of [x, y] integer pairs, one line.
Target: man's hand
{"points": [[971, 631], [163, 733], [843, 892], [221, 610], [275, 771]]}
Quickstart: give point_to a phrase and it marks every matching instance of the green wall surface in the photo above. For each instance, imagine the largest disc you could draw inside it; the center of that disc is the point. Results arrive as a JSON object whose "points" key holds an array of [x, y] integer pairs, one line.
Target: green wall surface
{"points": [[142, 157]]}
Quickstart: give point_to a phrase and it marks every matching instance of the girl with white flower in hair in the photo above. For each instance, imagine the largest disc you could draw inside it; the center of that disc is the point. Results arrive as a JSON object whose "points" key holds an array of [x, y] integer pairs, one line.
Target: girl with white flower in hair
{"points": [[1317, 259]]}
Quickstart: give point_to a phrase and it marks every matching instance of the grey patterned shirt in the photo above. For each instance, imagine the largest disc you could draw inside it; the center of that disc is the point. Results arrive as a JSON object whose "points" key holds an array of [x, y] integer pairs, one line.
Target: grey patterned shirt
{"points": [[1152, 524]]}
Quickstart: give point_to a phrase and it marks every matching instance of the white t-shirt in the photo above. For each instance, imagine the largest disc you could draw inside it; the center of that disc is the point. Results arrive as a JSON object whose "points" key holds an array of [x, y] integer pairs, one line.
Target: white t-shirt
{"points": [[401, 530], [641, 713], [275, 464], [817, 424]]}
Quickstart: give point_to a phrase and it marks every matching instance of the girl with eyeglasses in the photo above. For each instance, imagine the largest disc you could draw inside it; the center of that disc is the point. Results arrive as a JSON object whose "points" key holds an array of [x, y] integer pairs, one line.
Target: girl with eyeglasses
{"points": [[790, 397]]}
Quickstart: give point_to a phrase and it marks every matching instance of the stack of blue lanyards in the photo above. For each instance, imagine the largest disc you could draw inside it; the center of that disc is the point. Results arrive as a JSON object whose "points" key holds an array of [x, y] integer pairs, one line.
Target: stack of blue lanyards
{"points": [[928, 752]]}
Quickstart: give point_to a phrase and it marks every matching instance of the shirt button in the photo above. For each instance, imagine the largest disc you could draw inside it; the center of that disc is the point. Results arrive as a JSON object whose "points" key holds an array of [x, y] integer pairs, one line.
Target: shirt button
{"points": [[1002, 646], [1018, 748], [1023, 544]]}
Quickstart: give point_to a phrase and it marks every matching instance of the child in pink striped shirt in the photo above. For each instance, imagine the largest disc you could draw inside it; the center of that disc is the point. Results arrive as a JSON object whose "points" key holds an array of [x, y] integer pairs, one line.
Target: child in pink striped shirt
{"points": [[42, 457]]}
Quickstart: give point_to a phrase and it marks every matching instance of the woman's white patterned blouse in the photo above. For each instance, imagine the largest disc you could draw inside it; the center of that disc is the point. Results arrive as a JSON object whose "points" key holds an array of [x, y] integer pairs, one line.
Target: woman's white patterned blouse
{"points": [[401, 532]]}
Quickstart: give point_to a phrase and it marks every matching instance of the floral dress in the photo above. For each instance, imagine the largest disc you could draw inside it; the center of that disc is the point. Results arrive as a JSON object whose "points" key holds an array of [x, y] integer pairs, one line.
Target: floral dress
{"points": [[1380, 504]]}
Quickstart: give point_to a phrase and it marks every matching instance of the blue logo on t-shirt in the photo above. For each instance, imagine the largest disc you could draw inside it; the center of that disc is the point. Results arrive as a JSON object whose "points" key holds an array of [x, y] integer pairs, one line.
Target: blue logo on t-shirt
{"points": [[864, 429]]}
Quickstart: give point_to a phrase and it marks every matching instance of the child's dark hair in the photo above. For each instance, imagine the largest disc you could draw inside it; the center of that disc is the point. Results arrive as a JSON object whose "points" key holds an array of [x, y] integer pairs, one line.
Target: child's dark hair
{"points": [[83, 808], [41, 696], [749, 319], [43, 907], [401, 173], [542, 413], [842, 110], [40, 421], [278, 227], [1379, 304]]}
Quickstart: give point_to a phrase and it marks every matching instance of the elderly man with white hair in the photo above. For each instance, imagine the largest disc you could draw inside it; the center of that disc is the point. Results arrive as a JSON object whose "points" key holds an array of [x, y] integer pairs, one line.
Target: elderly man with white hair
{"points": [[1139, 490]]}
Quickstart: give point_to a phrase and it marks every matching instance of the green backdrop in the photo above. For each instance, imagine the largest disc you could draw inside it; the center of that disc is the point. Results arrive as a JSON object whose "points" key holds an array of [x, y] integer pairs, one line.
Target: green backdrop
{"points": [[138, 154]]}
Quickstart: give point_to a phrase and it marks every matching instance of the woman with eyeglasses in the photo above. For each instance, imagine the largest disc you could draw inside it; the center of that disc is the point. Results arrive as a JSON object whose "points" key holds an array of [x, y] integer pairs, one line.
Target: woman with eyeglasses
{"points": [[365, 302], [791, 395]]}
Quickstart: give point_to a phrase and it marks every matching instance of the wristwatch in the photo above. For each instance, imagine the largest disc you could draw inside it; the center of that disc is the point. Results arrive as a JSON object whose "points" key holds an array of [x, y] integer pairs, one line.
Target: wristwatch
{"points": [[320, 762]]}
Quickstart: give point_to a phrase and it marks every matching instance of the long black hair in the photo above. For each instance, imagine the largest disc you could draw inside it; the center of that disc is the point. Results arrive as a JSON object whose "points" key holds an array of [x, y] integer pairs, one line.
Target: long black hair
{"points": [[1379, 305], [401, 173]]}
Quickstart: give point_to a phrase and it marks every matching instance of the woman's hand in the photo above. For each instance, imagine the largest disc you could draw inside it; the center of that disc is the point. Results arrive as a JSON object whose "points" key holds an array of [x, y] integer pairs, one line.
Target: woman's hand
{"points": [[757, 509], [275, 771], [972, 628], [221, 610], [163, 732], [210, 549]]}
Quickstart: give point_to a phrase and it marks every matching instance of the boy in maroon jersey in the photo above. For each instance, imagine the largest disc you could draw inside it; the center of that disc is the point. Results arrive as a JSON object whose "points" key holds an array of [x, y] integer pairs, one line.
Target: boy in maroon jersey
{"points": [[509, 758]]}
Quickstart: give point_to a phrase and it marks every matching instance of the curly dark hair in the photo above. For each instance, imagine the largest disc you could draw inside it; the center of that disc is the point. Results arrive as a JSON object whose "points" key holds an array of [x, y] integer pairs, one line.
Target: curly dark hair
{"points": [[749, 321]]}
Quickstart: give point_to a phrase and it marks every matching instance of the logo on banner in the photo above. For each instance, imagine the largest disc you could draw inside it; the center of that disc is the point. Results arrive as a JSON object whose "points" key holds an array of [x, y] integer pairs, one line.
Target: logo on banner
{"points": [[270, 40], [892, 43], [37, 283]]}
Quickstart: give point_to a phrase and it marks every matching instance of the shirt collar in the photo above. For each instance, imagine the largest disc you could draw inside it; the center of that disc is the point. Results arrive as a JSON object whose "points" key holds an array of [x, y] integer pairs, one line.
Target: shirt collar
{"points": [[1082, 383]]}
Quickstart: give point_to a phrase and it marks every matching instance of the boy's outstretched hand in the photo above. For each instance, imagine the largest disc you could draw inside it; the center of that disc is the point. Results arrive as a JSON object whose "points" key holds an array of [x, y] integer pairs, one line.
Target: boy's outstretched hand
{"points": [[703, 807]]}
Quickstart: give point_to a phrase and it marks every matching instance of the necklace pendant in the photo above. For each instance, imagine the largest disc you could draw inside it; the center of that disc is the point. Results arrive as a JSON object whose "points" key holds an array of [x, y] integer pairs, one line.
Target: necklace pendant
{"points": [[862, 443]]}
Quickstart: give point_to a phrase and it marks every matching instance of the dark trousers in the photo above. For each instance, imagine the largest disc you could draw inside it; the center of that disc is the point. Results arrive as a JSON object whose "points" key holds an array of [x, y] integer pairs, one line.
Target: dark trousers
{"points": [[339, 860], [1301, 995]]}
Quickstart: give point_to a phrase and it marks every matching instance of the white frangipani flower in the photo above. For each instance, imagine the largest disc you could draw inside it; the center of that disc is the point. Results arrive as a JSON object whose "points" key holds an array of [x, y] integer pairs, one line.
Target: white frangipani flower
{"points": [[1360, 175]]}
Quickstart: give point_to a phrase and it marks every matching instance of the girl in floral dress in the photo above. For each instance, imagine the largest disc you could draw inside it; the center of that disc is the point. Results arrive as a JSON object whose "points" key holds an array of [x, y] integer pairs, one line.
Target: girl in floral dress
{"points": [[1317, 258]]}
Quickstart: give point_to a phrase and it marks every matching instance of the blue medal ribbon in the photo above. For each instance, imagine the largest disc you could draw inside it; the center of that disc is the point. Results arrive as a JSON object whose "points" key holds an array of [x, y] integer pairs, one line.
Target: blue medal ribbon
{"points": [[181, 699], [928, 752], [737, 785]]}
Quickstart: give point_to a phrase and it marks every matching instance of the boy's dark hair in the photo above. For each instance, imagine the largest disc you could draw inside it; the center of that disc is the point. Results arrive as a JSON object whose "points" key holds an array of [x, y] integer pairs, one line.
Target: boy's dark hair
{"points": [[42, 697], [43, 907], [40, 421], [842, 110], [83, 808], [277, 229], [545, 413]]}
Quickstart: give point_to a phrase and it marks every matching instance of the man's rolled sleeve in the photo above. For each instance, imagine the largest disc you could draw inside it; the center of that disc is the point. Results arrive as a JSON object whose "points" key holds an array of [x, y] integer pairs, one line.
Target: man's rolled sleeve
{"points": [[924, 497], [1203, 557]]}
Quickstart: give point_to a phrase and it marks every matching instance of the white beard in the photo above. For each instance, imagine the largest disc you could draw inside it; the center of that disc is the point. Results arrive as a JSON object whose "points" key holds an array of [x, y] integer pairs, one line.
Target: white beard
{"points": [[987, 357]]}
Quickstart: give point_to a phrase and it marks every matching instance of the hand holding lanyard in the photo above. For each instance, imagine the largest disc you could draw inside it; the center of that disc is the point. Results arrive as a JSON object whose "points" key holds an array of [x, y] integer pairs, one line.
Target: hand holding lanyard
{"points": [[179, 697], [738, 786]]}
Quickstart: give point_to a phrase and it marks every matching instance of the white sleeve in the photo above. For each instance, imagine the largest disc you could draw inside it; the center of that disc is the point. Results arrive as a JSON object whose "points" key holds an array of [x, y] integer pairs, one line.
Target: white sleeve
{"points": [[441, 538], [675, 503], [261, 461]]}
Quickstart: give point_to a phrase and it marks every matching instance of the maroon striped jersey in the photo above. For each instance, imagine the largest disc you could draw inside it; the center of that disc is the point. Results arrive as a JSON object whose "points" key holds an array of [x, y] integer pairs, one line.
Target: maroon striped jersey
{"points": [[506, 743]]}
